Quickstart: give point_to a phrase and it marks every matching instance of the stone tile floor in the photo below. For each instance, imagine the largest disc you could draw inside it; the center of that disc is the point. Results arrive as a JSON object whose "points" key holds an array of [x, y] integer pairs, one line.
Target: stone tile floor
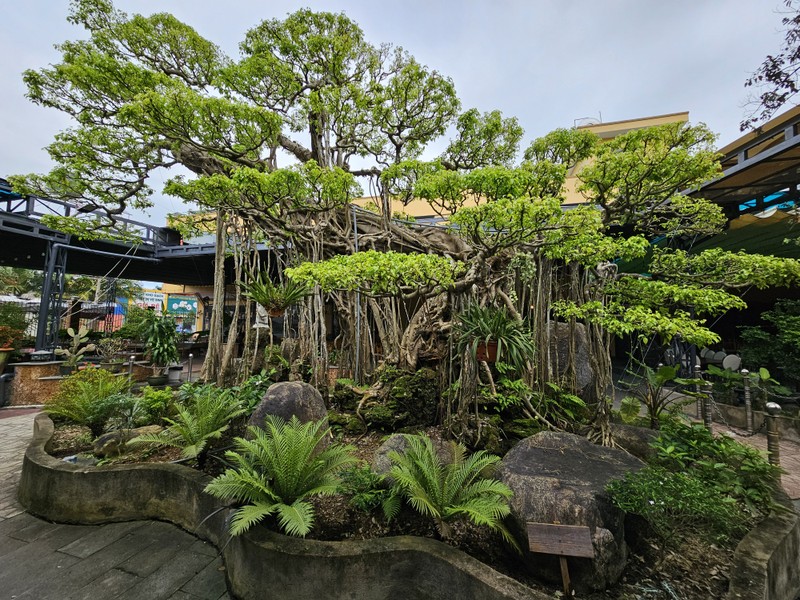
{"points": [[140, 560]]}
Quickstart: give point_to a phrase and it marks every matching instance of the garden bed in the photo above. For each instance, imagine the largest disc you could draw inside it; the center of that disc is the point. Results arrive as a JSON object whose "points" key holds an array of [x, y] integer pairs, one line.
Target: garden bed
{"points": [[363, 555]]}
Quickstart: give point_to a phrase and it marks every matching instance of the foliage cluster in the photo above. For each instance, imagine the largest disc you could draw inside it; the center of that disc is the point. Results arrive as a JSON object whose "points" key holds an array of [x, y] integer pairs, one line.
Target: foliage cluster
{"points": [[161, 339], [89, 397], [483, 324], [202, 414], [277, 470], [77, 348], [696, 482], [380, 273], [657, 390], [776, 345], [12, 324], [272, 296]]}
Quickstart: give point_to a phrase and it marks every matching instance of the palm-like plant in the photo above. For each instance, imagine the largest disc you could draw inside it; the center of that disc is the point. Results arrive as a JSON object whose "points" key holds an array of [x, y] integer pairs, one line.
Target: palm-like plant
{"points": [[275, 298], [277, 470], [484, 324], [198, 420], [447, 492]]}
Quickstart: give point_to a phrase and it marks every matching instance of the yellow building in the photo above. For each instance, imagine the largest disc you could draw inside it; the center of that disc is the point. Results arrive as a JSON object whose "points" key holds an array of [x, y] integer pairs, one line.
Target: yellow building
{"points": [[422, 210]]}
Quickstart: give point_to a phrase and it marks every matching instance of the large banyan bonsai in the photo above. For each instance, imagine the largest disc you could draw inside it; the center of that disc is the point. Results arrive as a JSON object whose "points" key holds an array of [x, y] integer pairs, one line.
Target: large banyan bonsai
{"points": [[347, 111]]}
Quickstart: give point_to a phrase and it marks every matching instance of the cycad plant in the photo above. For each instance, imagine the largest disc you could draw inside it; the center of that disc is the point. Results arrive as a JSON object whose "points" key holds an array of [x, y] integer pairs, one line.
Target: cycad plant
{"points": [[277, 470], [451, 491], [198, 420]]}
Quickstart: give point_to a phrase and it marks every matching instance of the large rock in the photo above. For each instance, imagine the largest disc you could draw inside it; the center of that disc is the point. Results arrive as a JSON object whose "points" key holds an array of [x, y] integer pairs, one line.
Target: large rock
{"points": [[565, 339], [288, 399], [113, 443], [635, 440], [398, 442], [561, 478]]}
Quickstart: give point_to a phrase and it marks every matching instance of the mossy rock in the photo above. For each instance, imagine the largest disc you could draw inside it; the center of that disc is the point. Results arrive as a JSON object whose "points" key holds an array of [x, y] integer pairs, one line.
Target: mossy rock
{"points": [[380, 416], [414, 398], [345, 396]]}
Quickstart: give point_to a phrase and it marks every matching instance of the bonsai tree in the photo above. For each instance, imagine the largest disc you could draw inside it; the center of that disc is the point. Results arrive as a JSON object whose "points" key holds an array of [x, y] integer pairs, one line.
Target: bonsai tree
{"points": [[109, 348], [161, 341], [73, 355]]}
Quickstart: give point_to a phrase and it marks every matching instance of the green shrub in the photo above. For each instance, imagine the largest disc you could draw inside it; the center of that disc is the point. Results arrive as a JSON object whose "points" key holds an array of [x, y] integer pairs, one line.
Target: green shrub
{"points": [[452, 491], [732, 469], [89, 397], [202, 415], [277, 470], [251, 392], [675, 504], [156, 402], [368, 491]]}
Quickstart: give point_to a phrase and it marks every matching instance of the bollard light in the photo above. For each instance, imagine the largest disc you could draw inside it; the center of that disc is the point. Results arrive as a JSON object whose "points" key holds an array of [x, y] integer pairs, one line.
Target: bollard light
{"points": [[191, 358], [130, 365], [748, 404]]}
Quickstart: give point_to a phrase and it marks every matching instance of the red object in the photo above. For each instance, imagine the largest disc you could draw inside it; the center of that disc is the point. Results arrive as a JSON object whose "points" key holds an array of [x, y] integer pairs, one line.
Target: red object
{"points": [[486, 351]]}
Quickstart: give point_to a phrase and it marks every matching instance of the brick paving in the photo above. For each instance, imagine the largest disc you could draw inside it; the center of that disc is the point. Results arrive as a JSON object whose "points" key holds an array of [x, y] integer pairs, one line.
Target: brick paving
{"points": [[141, 560]]}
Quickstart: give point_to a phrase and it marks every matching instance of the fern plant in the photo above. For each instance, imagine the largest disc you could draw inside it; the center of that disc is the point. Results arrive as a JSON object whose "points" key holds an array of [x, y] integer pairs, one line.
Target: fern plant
{"points": [[448, 492], [277, 470], [198, 420]]}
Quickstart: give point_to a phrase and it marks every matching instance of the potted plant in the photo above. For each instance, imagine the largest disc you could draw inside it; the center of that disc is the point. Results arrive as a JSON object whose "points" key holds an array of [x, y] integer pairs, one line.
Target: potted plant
{"points": [[72, 356], [275, 298], [109, 349], [161, 345], [492, 334]]}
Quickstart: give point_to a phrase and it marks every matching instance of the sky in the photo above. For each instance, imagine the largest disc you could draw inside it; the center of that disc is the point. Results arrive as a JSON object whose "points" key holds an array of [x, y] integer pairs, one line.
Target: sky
{"points": [[550, 63]]}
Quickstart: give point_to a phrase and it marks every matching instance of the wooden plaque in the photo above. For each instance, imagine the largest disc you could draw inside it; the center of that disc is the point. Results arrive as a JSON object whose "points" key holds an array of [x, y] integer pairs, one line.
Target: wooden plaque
{"points": [[563, 540]]}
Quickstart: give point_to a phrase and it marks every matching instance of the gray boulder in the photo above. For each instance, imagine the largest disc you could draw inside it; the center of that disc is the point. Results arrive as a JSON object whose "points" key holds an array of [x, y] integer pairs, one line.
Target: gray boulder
{"points": [[398, 443], [561, 478], [635, 440], [562, 336], [113, 443], [288, 399]]}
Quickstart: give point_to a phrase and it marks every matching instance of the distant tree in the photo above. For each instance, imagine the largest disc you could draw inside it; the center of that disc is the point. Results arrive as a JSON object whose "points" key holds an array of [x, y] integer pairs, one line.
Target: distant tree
{"points": [[17, 281], [778, 78]]}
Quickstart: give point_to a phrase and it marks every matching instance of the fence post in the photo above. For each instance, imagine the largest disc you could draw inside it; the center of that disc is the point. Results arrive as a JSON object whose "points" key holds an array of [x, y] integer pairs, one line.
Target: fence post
{"points": [[698, 374], [707, 402], [748, 404]]}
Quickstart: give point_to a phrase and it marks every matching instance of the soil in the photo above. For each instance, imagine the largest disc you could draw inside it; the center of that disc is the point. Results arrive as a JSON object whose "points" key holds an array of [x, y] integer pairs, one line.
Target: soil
{"points": [[694, 571]]}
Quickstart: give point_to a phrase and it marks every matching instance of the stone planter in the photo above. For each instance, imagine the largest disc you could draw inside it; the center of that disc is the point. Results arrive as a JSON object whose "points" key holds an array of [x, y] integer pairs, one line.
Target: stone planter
{"points": [[259, 564]]}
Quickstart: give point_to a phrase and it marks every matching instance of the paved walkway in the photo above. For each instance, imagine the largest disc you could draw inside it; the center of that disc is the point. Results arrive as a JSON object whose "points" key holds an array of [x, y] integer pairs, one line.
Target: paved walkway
{"points": [[140, 560]]}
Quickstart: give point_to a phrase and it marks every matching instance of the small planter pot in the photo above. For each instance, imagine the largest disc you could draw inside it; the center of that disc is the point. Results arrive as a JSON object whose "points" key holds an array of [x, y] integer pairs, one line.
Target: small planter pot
{"points": [[174, 374], [65, 370], [113, 367], [486, 351], [155, 380]]}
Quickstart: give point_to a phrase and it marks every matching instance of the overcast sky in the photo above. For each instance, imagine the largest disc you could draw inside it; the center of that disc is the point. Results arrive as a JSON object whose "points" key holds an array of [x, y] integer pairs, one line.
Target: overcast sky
{"points": [[547, 62]]}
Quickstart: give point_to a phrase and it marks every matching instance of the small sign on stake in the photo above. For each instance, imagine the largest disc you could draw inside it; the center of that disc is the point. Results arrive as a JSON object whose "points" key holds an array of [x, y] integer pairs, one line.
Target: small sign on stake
{"points": [[563, 541]]}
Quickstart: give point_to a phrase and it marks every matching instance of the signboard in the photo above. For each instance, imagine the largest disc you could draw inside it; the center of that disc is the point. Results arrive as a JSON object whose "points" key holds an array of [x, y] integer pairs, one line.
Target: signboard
{"points": [[564, 540], [154, 300], [182, 305]]}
